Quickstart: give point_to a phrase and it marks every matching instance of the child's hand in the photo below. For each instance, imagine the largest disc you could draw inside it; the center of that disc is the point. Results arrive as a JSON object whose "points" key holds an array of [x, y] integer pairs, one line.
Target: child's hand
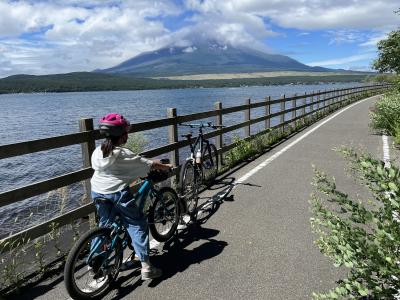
{"points": [[159, 166]]}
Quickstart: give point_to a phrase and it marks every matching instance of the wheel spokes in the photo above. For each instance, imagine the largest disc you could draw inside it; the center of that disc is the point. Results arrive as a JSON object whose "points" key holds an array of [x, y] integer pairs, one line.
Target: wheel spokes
{"points": [[95, 262]]}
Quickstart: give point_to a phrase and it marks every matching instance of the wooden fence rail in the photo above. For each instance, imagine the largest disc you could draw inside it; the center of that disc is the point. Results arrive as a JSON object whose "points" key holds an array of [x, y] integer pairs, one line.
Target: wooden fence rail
{"points": [[315, 102]]}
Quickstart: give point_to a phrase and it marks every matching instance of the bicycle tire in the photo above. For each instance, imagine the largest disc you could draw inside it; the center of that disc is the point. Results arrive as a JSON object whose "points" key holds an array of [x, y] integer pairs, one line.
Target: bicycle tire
{"points": [[210, 164], [71, 266], [189, 178], [164, 209]]}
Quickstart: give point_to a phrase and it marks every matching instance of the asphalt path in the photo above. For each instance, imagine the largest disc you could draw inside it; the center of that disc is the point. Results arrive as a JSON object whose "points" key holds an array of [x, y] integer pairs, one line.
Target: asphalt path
{"points": [[256, 243]]}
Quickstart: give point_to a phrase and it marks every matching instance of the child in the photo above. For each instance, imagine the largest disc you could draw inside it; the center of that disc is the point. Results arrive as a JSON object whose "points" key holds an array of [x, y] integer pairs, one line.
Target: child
{"points": [[115, 168]]}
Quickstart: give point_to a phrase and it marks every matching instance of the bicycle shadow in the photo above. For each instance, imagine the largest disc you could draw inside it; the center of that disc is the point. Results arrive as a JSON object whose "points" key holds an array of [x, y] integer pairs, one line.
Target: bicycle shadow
{"points": [[174, 257], [221, 183], [209, 205]]}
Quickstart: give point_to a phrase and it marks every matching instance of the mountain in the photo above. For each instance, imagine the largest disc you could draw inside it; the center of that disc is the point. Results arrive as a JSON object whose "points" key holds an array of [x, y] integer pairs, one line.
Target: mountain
{"points": [[206, 58]]}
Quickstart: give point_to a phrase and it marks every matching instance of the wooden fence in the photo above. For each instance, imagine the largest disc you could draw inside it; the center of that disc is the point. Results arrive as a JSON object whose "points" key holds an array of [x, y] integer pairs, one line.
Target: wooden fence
{"points": [[321, 101]]}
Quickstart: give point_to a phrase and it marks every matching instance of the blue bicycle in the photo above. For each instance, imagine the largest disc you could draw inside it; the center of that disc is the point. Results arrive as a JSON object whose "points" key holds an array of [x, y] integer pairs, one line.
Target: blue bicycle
{"points": [[95, 260]]}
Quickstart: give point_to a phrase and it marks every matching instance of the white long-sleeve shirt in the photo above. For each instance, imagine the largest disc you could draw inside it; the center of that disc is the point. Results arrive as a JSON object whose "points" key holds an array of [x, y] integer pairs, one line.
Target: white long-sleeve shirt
{"points": [[115, 172]]}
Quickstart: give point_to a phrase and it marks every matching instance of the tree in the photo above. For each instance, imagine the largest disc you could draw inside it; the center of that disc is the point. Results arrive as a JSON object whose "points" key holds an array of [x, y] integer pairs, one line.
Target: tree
{"points": [[389, 53]]}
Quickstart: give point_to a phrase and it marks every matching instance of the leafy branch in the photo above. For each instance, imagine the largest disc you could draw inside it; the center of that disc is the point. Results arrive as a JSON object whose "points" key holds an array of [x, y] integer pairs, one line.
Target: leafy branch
{"points": [[361, 236]]}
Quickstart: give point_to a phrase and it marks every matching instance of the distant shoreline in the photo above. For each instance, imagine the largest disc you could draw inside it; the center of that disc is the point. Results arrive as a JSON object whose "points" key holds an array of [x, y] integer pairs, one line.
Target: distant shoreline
{"points": [[247, 75], [92, 82]]}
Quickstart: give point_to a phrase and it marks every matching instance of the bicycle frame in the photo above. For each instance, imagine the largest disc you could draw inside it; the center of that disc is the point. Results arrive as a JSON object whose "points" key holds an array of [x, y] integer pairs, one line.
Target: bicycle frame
{"points": [[201, 142], [146, 189], [98, 242]]}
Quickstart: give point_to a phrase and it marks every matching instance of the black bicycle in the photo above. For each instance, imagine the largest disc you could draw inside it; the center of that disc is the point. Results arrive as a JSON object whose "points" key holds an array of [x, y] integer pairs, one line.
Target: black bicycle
{"points": [[200, 168], [95, 260]]}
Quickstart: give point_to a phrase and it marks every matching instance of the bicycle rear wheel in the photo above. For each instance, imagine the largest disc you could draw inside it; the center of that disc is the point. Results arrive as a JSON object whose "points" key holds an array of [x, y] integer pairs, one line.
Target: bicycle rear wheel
{"points": [[189, 182], [92, 265], [210, 164], [164, 215]]}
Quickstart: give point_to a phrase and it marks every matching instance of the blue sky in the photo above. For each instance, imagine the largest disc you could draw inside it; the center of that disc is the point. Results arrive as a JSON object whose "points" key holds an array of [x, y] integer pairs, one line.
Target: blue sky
{"points": [[59, 36]]}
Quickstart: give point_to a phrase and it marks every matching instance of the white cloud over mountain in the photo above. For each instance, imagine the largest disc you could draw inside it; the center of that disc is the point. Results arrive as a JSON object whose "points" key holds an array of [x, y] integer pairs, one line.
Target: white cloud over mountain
{"points": [[41, 37]]}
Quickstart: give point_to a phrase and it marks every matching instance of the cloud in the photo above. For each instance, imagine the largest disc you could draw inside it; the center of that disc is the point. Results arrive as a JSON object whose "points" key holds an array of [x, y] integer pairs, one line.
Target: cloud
{"points": [[222, 22], [343, 60], [346, 36], [189, 49], [71, 36], [373, 40], [317, 15], [58, 36]]}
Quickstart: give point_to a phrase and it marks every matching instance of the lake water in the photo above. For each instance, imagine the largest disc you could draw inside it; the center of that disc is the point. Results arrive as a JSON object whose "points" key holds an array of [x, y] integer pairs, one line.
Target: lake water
{"points": [[34, 116]]}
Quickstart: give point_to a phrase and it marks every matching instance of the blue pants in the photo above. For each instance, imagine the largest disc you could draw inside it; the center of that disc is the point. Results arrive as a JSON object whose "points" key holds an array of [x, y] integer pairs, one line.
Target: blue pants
{"points": [[131, 212]]}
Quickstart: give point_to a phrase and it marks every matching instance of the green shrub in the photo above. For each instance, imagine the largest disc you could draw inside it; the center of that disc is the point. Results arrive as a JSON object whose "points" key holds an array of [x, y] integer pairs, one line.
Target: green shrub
{"points": [[386, 114], [242, 151], [363, 236], [136, 142], [246, 149]]}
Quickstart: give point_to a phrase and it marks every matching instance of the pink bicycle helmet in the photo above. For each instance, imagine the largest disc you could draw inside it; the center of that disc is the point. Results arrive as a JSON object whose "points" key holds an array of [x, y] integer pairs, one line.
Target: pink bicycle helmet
{"points": [[113, 125]]}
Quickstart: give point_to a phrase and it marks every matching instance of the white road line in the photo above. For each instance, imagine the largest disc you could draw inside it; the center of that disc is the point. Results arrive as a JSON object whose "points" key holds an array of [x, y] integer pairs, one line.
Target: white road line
{"points": [[283, 150], [386, 159], [386, 154]]}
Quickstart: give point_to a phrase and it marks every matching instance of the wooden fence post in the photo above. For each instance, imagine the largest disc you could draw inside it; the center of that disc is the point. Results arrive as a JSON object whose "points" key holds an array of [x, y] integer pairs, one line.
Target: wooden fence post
{"points": [[247, 118], [86, 124], [312, 106], [219, 139], [267, 112], [173, 136], [343, 95], [294, 105], [303, 110], [283, 105], [343, 99]]}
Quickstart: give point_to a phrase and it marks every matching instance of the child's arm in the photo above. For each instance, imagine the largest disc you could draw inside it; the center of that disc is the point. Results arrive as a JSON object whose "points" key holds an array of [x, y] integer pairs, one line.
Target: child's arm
{"points": [[157, 165]]}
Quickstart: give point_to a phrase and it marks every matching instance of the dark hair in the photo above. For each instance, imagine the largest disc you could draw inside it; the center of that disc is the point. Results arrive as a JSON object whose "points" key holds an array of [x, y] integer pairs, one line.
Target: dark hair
{"points": [[108, 145]]}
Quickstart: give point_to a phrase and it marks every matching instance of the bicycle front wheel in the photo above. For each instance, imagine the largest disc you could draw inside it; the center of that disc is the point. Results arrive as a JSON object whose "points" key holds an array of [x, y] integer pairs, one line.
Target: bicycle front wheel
{"points": [[93, 264], [210, 164], [189, 182], [164, 215]]}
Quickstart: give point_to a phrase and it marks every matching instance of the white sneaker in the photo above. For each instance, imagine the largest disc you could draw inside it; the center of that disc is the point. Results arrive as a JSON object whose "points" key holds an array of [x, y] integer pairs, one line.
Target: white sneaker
{"points": [[151, 273]]}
